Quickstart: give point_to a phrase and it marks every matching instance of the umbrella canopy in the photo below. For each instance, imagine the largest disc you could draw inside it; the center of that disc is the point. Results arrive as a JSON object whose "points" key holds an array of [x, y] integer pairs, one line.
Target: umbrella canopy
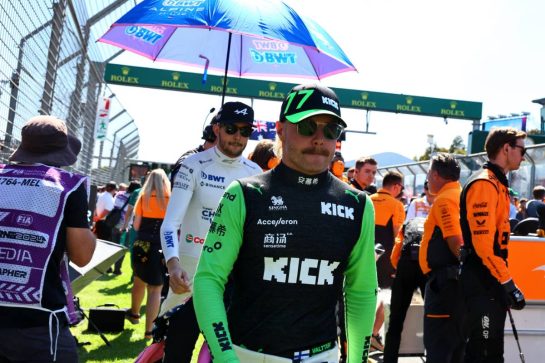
{"points": [[240, 37]]}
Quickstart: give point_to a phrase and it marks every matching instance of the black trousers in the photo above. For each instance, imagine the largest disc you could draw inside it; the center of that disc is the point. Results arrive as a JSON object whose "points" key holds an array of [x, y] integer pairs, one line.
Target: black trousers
{"points": [[408, 278], [182, 334], [486, 304], [444, 320]]}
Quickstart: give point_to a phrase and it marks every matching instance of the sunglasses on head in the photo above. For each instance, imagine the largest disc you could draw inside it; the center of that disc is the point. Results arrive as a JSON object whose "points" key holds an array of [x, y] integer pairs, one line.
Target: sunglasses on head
{"points": [[308, 127], [231, 129]]}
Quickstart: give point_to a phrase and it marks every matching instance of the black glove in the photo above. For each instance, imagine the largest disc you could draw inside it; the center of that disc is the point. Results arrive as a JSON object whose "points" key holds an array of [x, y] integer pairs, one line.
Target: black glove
{"points": [[516, 298]]}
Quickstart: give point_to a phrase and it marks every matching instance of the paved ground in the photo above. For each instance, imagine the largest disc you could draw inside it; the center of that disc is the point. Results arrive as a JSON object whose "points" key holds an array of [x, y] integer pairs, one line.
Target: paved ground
{"points": [[376, 357]]}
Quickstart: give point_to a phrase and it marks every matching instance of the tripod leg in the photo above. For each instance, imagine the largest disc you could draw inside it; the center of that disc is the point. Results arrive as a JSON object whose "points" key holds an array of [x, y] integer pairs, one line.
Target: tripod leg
{"points": [[96, 329]]}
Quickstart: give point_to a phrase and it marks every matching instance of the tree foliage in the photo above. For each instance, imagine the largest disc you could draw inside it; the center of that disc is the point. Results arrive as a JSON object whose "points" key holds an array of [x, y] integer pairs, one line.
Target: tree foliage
{"points": [[457, 147]]}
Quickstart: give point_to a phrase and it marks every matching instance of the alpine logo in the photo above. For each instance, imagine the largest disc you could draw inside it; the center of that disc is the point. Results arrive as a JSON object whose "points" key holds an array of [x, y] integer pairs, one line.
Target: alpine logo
{"points": [[244, 112], [332, 209], [277, 204], [294, 270]]}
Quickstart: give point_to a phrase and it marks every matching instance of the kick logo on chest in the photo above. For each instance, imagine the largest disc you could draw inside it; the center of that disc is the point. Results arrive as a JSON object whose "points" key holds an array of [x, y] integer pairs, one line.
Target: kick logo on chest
{"points": [[295, 270]]}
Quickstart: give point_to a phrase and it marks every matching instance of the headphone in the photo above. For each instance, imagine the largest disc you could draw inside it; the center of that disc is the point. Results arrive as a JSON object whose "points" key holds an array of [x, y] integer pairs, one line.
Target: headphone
{"points": [[208, 134], [273, 162]]}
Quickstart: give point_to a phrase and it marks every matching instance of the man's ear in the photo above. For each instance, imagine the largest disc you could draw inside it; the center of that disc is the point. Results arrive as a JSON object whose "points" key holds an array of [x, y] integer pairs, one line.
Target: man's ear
{"points": [[280, 129], [216, 129]]}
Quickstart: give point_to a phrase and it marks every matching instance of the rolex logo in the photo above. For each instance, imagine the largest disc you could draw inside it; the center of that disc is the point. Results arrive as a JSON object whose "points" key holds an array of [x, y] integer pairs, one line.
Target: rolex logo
{"points": [[125, 71], [364, 96], [272, 86], [224, 83], [175, 76], [453, 104], [409, 100]]}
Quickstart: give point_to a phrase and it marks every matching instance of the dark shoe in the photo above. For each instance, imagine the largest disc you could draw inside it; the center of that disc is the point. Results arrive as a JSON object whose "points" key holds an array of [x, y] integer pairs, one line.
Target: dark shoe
{"points": [[376, 343], [109, 271], [133, 318], [117, 272]]}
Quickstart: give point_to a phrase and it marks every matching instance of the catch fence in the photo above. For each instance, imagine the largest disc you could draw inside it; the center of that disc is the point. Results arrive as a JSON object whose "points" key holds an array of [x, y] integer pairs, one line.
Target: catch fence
{"points": [[50, 63]]}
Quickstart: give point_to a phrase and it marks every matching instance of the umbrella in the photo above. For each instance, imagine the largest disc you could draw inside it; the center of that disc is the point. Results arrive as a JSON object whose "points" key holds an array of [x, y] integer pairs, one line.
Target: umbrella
{"points": [[255, 38]]}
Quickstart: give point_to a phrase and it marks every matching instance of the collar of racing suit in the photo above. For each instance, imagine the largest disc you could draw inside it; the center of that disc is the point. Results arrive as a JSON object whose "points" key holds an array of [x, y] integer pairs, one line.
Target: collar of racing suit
{"points": [[224, 159], [301, 180], [498, 172]]}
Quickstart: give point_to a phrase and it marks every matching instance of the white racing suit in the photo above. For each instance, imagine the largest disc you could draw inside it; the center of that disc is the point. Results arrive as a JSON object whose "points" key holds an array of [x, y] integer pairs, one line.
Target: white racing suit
{"points": [[198, 187]]}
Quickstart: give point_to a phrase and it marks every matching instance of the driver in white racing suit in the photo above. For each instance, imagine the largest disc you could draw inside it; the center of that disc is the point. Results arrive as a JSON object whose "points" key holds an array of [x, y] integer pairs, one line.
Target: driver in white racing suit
{"points": [[198, 187]]}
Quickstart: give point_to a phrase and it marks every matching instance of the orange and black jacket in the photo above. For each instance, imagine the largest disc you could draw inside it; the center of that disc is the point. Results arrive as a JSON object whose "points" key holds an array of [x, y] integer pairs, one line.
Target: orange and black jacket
{"points": [[442, 222], [389, 213], [484, 209]]}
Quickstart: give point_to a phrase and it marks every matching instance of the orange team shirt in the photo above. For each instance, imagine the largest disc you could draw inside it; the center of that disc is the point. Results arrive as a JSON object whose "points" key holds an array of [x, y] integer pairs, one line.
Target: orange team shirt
{"points": [[487, 204], [153, 210], [445, 214], [386, 208]]}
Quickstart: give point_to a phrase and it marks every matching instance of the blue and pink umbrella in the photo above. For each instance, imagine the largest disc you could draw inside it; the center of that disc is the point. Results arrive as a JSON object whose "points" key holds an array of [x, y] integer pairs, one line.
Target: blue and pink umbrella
{"points": [[256, 38]]}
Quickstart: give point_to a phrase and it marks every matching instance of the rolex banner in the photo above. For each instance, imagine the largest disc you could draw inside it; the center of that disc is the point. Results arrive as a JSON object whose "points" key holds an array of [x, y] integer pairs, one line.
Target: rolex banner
{"points": [[103, 118]]}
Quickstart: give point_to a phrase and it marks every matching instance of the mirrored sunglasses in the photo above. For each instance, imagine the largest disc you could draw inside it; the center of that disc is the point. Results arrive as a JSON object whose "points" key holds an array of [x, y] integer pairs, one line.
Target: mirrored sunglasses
{"points": [[308, 127], [231, 129]]}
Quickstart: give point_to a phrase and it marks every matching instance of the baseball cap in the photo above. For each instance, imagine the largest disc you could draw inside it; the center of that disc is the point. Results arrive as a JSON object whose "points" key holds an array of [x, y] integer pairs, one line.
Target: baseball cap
{"points": [[232, 112], [308, 100]]}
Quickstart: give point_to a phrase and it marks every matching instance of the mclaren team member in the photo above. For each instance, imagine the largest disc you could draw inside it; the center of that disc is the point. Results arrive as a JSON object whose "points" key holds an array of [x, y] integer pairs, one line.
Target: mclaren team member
{"points": [[488, 287], [439, 260], [294, 237], [198, 187], [389, 218], [408, 276], [364, 174]]}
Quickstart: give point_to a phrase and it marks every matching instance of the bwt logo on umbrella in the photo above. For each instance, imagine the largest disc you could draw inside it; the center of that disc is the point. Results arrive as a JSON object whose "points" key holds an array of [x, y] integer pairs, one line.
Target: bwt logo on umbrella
{"points": [[145, 34]]}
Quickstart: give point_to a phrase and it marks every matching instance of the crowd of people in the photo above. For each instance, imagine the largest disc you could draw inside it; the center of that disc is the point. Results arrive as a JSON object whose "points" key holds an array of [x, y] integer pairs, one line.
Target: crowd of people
{"points": [[284, 256]]}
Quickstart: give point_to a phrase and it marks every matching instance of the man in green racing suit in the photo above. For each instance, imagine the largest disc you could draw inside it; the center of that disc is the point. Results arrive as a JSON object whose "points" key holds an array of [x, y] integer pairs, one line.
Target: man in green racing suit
{"points": [[289, 241]]}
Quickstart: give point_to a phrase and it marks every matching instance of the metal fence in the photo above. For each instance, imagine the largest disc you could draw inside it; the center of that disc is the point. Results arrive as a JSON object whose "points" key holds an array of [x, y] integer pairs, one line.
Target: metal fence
{"points": [[50, 63], [523, 180]]}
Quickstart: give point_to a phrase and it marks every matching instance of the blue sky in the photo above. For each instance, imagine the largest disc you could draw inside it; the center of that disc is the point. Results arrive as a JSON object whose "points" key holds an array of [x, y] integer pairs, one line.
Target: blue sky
{"points": [[485, 51]]}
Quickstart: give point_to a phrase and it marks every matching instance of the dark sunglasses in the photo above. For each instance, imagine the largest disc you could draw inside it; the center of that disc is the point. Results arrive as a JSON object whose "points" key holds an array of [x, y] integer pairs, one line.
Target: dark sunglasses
{"points": [[308, 127], [231, 129], [522, 149]]}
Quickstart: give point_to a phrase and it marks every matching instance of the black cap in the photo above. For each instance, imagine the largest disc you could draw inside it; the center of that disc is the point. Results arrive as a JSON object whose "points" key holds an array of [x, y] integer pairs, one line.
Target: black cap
{"points": [[308, 100], [232, 112]]}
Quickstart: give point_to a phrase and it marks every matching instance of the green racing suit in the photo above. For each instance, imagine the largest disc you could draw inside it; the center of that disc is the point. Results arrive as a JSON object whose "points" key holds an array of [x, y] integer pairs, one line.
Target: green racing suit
{"points": [[288, 243]]}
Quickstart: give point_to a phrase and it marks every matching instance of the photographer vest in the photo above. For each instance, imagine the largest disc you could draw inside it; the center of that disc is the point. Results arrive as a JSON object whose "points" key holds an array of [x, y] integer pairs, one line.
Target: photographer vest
{"points": [[31, 212]]}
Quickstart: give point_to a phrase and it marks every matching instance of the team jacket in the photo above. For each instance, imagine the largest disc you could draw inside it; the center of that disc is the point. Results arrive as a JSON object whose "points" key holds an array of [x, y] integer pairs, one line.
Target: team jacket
{"points": [[442, 222], [484, 210], [290, 242], [389, 212], [198, 187]]}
